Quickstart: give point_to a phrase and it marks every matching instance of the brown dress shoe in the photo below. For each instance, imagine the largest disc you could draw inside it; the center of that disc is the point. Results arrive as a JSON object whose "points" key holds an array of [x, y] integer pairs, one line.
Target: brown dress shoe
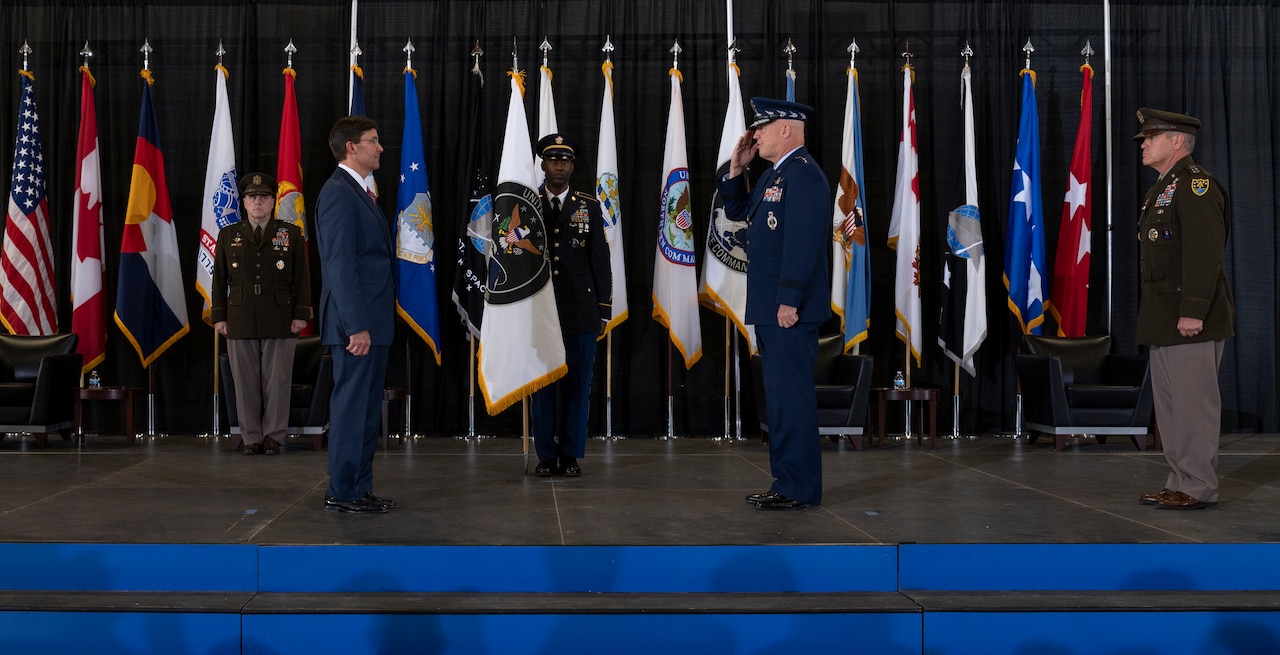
{"points": [[250, 448], [1179, 500], [270, 446], [1155, 498]]}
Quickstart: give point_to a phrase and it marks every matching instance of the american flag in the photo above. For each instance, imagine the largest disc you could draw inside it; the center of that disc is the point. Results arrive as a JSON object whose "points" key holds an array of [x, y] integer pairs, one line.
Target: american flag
{"points": [[27, 305]]}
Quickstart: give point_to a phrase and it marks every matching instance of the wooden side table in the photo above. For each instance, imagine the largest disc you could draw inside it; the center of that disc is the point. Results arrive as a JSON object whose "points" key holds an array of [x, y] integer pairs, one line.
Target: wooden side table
{"points": [[928, 394], [126, 394]]}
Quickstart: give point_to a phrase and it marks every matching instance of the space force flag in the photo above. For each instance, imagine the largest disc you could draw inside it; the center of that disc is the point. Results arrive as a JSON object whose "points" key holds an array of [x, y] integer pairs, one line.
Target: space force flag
{"points": [[220, 205], [471, 275], [521, 348], [675, 282], [415, 230], [151, 307]]}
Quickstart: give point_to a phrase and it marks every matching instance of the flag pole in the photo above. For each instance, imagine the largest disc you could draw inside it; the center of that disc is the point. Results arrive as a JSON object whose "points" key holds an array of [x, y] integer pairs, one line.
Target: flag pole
{"points": [[670, 404], [967, 53], [728, 336], [955, 403], [408, 395], [608, 386], [524, 431], [217, 432], [151, 402], [471, 386], [355, 50]]}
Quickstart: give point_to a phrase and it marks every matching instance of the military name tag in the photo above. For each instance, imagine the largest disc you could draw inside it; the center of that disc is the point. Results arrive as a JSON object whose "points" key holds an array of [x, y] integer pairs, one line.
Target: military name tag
{"points": [[771, 221]]}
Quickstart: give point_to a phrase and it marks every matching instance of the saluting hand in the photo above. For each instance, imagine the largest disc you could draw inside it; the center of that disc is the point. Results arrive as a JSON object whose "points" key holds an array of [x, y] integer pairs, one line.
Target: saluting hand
{"points": [[743, 152]]}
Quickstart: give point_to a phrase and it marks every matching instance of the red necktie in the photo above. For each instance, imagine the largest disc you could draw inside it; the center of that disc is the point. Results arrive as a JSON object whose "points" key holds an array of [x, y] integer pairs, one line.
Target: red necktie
{"points": [[371, 196]]}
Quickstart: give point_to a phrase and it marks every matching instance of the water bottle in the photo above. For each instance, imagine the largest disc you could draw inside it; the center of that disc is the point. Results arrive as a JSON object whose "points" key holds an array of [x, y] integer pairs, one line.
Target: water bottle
{"points": [[899, 382], [95, 382]]}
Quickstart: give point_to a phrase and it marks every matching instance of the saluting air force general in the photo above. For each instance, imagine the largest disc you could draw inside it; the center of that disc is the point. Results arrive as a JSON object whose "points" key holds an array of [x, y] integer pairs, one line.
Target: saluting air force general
{"points": [[788, 213]]}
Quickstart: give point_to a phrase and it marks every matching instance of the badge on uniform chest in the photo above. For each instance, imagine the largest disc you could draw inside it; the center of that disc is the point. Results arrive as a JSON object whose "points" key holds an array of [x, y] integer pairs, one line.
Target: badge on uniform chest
{"points": [[771, 221], [773, 194]]}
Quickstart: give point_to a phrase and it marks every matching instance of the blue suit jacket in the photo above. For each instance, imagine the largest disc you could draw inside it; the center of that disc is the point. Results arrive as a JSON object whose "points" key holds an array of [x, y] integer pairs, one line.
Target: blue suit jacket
{"points": [[357, 264], [789, 214]]}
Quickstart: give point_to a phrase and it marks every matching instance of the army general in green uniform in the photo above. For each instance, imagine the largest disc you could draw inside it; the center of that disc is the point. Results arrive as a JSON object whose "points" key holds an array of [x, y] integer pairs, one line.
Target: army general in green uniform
{"points": [[1186, 310], [261, 300]]}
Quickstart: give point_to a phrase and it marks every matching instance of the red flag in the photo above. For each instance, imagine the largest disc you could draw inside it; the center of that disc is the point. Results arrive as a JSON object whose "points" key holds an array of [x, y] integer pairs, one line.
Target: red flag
{"points": [[1069, 296], [27, 304], [289, 203], [290, 206], [88, 311]]}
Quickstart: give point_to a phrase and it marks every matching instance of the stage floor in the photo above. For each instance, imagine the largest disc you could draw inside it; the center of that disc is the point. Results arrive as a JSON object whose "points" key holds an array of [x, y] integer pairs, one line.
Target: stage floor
{"points": [[635, 491]]}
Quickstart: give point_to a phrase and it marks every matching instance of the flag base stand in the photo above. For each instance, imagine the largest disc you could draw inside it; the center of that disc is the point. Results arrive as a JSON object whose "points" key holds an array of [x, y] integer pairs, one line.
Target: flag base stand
{"points": [[474, 437]]}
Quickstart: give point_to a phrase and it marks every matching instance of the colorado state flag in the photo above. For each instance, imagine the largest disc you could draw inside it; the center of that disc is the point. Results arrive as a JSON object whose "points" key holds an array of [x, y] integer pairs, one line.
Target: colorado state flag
{"points": [[151, 308]]}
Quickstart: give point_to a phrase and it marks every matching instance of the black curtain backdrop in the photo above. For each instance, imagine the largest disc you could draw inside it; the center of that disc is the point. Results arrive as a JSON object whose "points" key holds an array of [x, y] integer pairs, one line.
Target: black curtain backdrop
{"points": [[1215, 60]]}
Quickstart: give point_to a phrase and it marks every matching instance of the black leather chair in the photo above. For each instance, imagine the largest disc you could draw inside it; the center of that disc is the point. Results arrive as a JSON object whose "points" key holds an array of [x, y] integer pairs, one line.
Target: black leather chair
{"points": [[308, 399], [843, 386], [39, 384], [1076, 385]]}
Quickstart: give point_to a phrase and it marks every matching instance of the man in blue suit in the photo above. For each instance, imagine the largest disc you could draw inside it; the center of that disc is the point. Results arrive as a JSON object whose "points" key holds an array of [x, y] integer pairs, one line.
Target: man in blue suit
{"points": [[789, 215], [357, 312]]}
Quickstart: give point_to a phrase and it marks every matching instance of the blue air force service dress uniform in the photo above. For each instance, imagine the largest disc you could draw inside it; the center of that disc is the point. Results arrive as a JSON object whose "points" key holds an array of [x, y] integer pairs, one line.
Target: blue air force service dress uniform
{"points": [[789, 222], [581, 278], [1182, 238]]}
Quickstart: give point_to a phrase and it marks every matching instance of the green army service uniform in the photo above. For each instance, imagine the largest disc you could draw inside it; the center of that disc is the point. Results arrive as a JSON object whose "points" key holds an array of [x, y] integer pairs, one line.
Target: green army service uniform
{"points": [[260, 285], [1182, 236]]}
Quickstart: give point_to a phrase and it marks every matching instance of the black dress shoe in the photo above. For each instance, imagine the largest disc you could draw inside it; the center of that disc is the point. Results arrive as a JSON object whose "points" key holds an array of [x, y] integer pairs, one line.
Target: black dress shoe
{"points": [[570, 468], [780, 502], [270, 446], [546, 468], [361, 506], [388, 503], [755, 499]]}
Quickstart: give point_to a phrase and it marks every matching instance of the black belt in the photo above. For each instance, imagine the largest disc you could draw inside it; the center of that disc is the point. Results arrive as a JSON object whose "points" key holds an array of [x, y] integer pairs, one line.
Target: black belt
{"points": [[259, 289]]}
